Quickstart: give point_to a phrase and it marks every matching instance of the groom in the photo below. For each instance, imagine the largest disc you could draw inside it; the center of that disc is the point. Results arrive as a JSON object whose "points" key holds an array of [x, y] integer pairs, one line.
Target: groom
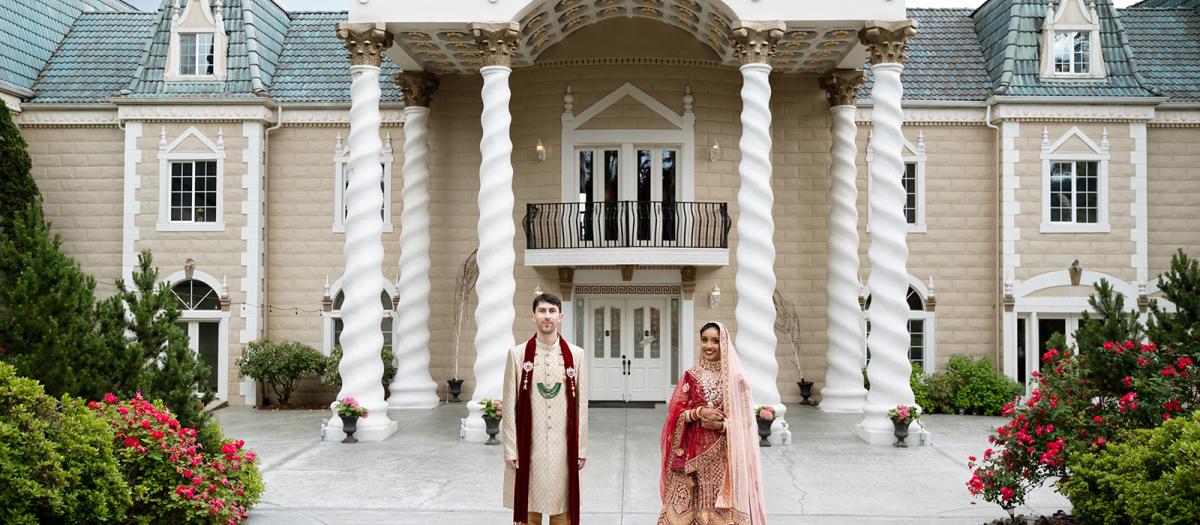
{"points": [[545, 444]]}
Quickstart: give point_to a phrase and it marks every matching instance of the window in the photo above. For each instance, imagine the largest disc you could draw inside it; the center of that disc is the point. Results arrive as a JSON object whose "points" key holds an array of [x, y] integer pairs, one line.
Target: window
{"points": [[341, 167], [910, 192], [1070, 44], [912, 180], [338, 325], [920, 330], [203, 316], [196, 54], [1071, 52], [1074, 192], [194, 191], [346, 185]]}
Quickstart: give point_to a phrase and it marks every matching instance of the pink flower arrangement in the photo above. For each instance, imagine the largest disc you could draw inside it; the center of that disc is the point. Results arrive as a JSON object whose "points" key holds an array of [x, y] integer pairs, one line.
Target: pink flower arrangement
{"points": [[765, 412], [905, 414], [349, 407]]}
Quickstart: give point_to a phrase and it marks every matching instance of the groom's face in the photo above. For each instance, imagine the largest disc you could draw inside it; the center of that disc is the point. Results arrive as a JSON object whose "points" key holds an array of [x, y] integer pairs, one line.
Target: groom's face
{"points": [[547, 317]]}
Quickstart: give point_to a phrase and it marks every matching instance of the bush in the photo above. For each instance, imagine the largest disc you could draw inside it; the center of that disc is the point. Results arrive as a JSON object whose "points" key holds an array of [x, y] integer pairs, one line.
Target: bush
{"points": [[332, 377], [172, 477], [969, 385], [1150, 477], [920, 391], [280, 365], [55, 465]]}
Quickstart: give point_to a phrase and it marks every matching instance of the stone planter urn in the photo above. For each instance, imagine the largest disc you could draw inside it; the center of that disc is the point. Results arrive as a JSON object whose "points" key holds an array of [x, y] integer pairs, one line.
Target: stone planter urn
{"points": [[764, 432], [493, 428], [806, 391], [455, 389], [349, 426], [901, 432]]}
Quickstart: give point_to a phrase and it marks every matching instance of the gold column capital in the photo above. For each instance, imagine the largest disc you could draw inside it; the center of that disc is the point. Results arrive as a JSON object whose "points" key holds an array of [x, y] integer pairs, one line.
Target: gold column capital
{"points": [[497, 41], [364, 43], [841, 86], [755, 41], [887, 40], [418, 87]]}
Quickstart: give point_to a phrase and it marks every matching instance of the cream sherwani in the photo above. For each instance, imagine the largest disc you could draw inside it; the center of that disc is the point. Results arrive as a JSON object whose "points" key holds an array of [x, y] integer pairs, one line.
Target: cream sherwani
{"points": [[548, 483]]}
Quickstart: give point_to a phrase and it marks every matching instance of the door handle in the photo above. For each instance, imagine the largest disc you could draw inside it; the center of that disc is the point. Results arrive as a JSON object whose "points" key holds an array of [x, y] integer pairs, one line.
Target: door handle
{"points": [[625, 364]]}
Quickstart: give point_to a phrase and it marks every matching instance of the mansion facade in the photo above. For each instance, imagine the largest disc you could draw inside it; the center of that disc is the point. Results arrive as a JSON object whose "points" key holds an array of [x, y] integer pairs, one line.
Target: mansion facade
{"points": [[955, 179]]}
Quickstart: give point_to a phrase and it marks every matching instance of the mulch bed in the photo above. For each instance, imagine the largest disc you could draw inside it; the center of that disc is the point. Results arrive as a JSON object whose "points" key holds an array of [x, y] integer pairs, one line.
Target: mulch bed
{"points": [[1058, 518]]}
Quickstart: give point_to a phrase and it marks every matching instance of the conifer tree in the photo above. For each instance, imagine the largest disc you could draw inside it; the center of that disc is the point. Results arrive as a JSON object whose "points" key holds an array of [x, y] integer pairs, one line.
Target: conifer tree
{"points": [[1178, 330], [17, 189]]}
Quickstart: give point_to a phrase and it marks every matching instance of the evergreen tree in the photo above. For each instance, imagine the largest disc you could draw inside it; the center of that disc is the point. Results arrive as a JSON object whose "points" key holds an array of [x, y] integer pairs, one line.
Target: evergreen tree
{"points": [[45, 306], [1106, 365], [17, 189], [1178, 330]]}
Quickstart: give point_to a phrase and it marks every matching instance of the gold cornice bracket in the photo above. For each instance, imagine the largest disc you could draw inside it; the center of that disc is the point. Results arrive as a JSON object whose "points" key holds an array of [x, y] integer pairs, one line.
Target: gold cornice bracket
{"points": [[887, 40], [364, 43], [755, 41], [841, 86], [418, 87], [497, 41]]}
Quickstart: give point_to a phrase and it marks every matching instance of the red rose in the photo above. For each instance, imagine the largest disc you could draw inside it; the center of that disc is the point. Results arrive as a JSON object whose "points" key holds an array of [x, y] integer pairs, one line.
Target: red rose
{"points": [[110, 398]]}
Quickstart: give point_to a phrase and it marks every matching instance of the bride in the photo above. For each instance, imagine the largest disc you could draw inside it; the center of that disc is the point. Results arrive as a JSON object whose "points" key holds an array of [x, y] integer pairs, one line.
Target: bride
{"points": [[710, 471]]}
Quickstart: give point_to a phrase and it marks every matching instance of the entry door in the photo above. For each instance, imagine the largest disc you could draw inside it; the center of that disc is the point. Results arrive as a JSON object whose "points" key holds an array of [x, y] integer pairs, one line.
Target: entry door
{"points": [[204, 339], [646, 375], [600, 194], [607, 379]]}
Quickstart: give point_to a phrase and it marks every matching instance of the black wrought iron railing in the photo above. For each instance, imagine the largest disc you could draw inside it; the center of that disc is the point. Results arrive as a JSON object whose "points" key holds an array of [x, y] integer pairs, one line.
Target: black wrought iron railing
{"points": [[627, 224]]}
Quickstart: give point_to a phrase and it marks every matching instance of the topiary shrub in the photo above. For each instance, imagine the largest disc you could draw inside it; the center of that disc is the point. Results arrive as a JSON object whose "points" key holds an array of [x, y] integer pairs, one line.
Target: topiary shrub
{"points": [[280, 365], [172, 477], [1151, 476], [56, 465], [332, 377]]}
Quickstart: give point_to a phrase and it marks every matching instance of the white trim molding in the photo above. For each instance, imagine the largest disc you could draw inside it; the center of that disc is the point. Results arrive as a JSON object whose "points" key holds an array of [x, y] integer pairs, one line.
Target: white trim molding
{"points": [[1074, 109], [131, 182], [166, 155], [1100, 155], [252, 232], [639, 256], [186, 110], [198, 18], [341, 163], [1140, 207]]}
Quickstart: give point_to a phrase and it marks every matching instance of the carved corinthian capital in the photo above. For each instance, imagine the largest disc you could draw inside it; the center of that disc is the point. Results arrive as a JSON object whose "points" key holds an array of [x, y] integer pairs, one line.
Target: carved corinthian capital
{"points": [[497, 42], [887, 41], [755, 41], [841, 86], [418, 87], [364, 43]]}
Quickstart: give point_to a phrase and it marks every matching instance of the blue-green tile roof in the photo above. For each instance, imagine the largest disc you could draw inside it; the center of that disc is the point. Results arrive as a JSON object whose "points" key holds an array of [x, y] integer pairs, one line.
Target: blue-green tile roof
{"points": [[314, 67], [1190, 4], [30, 31], [96, 58], [1166, 44], [1010, 33], [945, 61]]}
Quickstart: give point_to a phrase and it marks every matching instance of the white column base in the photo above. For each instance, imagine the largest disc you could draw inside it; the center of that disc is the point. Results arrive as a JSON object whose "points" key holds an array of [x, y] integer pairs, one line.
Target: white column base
{"points": [[843, 401], [415, 398], [248, 389], [377, 426], [475, 428], [917, 435]]}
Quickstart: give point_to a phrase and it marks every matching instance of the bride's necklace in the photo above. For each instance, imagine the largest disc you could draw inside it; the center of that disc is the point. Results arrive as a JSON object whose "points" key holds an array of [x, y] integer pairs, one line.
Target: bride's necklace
{"points": [[710, 381]]}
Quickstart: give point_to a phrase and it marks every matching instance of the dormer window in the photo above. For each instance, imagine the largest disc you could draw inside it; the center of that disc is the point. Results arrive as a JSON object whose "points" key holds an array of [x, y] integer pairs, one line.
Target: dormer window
{"points": [[197, 47], [1071, 42]]}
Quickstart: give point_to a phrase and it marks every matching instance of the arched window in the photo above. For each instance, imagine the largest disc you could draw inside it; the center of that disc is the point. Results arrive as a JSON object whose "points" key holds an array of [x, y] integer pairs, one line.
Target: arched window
{"points": [[920, 330], [203, 319], [195, 295], [338, 324]]}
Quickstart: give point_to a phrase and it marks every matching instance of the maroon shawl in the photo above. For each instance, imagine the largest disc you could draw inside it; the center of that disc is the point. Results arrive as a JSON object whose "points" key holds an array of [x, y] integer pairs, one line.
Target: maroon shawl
{"points": [[525, 434]]}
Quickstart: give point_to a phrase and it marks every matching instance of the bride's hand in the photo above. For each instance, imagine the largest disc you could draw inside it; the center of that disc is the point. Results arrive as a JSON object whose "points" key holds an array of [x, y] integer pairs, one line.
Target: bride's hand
{"points": [[711, 414], [713, 425]]}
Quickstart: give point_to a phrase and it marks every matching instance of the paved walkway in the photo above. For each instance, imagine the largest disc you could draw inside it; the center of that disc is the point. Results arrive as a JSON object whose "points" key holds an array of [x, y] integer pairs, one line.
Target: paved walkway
{"points": [[423, 475]]}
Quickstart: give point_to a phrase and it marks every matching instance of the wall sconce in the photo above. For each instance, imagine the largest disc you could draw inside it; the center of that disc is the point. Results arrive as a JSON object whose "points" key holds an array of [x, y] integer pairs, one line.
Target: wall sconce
{"points": [[1076, 272], [540, 149], [714, 297], [538, 291], [714, 153]]}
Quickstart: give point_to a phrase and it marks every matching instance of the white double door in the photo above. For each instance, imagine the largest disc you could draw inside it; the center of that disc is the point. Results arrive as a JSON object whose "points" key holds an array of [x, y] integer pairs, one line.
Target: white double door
{"points": [[628, 194], [630, 342]]}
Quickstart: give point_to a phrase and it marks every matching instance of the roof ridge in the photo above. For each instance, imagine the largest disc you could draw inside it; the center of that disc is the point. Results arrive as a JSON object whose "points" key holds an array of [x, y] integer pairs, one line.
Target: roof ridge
{"points": [[1010, 48], [256, 82]]}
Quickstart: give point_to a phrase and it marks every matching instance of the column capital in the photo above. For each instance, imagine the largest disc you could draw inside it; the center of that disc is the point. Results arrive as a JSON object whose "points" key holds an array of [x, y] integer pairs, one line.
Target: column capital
{"points": [[755, 41], [841, 86], [418, 87], [364, 43], [887, 40], [497, 41]]}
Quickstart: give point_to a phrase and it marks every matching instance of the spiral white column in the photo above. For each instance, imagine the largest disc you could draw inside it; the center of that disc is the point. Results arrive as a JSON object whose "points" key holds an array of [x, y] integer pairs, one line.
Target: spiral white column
{"points": [[843, 390], [413, 387], [889, 368]]}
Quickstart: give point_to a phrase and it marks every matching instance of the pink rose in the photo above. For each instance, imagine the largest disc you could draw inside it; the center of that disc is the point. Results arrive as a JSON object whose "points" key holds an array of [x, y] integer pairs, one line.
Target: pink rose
{"points": [[110, 398]]}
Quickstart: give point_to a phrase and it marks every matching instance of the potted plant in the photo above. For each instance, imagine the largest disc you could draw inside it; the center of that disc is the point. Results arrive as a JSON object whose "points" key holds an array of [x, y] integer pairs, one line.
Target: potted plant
{"points": [[492, 412], [464, 288], [349, 410], [902, 416], [787, 322], [765, 415]]}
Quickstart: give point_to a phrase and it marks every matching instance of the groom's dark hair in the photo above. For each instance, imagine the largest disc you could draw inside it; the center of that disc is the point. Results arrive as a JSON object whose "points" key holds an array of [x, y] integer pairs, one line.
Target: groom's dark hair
{"points": [[548, 298]]}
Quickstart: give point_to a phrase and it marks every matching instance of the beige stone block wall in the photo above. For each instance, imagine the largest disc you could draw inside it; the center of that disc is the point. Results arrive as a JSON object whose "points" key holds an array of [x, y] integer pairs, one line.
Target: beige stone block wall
{"points": [[1173, 193], [79, 172], [1047, 252]]}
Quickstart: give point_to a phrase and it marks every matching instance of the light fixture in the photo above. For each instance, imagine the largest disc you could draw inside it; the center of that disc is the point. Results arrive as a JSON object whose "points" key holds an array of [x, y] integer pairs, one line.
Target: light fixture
{"points": [[714, 153], [541, 151], [1075, 272], [714, 297], [538, 290]]}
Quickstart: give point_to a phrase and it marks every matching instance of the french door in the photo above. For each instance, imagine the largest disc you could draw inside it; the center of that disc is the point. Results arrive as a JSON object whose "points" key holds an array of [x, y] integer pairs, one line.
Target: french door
{"points": [[628, 194], [630, 343]]}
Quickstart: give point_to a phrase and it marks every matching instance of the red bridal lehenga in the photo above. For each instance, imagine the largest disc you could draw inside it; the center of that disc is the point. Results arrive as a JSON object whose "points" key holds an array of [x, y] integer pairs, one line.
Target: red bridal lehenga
{"points": [[711, 477]]}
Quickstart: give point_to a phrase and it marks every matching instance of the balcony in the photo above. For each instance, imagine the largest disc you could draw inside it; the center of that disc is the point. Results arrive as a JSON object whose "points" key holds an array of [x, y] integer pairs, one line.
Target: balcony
{"points": [[627, 233]]}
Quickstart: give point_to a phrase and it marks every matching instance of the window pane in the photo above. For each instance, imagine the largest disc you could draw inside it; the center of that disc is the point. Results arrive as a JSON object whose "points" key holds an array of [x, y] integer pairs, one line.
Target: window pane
{"points": [[1062, 52], [205, 51], [610, 176], [655, 333], [675, 337], [910, 191], [1087, 194], [615, 340], [1060, 192], [1081, 52], [209, 346], [668, 195], [187, 54], [639, 333], [916, 346], [598, 335]]}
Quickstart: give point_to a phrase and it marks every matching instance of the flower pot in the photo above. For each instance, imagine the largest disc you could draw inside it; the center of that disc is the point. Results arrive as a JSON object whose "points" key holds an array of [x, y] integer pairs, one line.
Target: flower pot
{"points": [[493, 428], [764, 431], [349, 426], [805, 391], [455, 389], [901, 432]]}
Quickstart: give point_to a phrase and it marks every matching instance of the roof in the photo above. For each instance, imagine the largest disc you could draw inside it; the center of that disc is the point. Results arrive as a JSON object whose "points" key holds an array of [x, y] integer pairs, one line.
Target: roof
{"points": [[96, 58], [314, 67], [945, 61], [1166, 44], [1189, 4], [1010, 33], [30, 31]]}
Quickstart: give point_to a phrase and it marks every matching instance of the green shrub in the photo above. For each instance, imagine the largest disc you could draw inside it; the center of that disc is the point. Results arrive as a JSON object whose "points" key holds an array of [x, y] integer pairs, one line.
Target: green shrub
{"points": [[1151, 476], [280, 365], [332, 377], [55, 465], [969, 385], [920, 391]]}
